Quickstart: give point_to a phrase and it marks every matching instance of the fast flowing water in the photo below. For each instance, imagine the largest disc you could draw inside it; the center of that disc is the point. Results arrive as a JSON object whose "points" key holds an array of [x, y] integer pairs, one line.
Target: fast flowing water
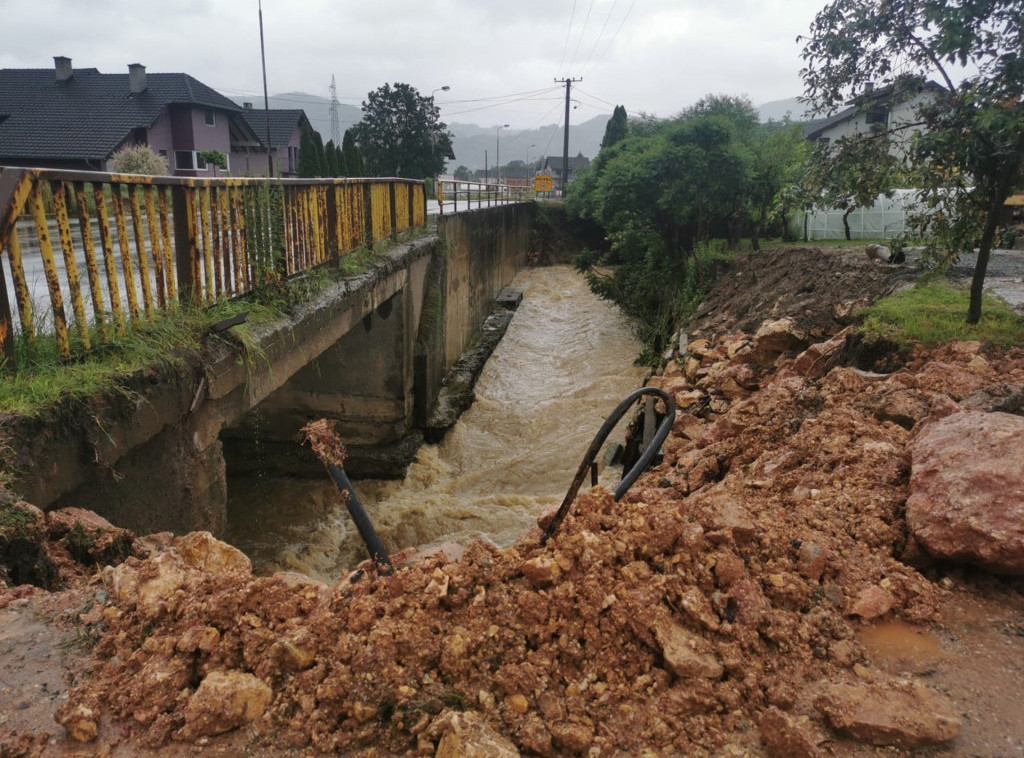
{"points": [[562, 367]]}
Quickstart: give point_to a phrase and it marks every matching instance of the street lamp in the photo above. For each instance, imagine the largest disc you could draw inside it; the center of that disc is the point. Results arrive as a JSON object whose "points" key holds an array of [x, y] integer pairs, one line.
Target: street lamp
{"points": [[445, 88], [497, 149], [528, 160]]}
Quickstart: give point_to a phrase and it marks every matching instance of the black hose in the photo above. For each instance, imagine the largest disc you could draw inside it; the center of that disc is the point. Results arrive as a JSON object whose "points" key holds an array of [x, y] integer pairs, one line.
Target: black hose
{"points": [[602, 434], [362, 521]]}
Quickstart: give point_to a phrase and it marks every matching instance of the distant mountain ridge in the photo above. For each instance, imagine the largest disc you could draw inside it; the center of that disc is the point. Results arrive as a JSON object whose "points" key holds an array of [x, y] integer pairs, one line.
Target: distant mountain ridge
{"points": [[476, 147]]}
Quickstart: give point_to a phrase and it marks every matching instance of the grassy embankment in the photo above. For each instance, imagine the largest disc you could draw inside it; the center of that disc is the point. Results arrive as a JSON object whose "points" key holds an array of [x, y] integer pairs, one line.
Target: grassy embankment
{"points": [[39, 379]]}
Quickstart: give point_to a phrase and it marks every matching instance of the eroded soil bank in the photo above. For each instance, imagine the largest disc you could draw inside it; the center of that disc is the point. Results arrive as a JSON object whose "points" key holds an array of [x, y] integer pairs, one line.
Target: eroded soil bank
{"points": [[757, 593]]}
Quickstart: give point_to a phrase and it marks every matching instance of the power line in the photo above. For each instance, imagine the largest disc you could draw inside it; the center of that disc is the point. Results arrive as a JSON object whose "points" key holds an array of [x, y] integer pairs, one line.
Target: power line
{"points": [[600, 34], [583, 33], [565, 47], [612, 40]]}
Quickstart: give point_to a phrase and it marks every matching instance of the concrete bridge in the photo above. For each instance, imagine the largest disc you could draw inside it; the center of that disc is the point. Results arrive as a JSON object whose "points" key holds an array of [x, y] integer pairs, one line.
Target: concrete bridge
{"points": [[370, 352]]}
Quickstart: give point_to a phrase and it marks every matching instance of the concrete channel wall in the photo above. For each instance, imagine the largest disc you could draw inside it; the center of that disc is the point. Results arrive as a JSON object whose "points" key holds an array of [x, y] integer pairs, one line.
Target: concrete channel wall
{"points": [[371, 353]]}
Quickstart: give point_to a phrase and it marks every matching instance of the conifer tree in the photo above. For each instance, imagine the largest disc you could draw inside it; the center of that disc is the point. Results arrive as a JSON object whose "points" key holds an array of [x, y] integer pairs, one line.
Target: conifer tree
{"points": [[309, 163]]}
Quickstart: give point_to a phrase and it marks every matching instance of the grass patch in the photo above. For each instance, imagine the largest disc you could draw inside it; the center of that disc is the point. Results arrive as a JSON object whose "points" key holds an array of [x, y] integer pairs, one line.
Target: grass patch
{"points": [[934, 312]]}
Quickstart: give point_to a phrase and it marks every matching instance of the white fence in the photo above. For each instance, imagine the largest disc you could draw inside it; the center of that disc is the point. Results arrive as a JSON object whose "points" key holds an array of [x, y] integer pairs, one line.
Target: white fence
{"points": [[883, 220]]}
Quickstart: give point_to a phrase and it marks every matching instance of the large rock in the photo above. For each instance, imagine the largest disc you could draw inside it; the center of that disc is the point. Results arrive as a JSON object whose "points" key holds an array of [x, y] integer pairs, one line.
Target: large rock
{"points": [[686, 654], [224, 701], [203, 551], [775, 338], [891, 713], [467, 735], [784, 736], [967, 490]]}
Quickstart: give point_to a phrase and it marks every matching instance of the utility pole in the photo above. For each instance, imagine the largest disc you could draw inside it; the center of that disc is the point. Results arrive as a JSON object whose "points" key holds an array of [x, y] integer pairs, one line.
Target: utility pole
{"points": [[266, 100], [565, 144]]}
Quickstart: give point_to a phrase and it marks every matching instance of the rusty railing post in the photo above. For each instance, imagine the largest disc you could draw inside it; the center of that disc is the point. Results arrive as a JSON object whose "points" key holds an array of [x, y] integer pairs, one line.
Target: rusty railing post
{"points": [[368, 214], [185, 249], [393, 210]]}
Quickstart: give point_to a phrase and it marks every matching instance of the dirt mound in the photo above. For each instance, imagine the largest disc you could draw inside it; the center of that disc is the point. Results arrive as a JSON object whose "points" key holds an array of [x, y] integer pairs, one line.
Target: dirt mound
{"points": [[719, 609], [821, 289]]}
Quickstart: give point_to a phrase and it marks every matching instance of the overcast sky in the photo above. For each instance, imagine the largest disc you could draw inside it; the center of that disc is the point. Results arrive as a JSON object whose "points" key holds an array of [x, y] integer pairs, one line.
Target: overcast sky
{"points": [[499, 57]]}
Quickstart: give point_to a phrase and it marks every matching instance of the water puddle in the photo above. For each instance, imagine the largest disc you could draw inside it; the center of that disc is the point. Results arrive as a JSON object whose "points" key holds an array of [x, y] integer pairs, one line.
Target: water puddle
{"points": [[901, 648]]}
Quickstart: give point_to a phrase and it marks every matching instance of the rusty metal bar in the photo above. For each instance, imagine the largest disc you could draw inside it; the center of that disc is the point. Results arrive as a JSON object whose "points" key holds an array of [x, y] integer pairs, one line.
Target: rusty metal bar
{"points": [[60, 322], [67, 246], [140, 249], [217, 254], [109, 264], [209, 292], [152, 224], [21, 291], [237, 225], [230, 284], [15, 188], [91, 267], [170, 288], [124, 245]]}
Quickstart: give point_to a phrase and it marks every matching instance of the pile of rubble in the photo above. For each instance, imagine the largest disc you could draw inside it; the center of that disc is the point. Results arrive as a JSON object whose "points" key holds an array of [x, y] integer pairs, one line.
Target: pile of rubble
{"points": [[714, 611]]}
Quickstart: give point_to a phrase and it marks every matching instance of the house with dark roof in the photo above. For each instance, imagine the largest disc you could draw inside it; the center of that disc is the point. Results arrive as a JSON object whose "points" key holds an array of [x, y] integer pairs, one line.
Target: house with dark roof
{"points": [[892, 109], [554, 163], [285, 129], [77, 119]]}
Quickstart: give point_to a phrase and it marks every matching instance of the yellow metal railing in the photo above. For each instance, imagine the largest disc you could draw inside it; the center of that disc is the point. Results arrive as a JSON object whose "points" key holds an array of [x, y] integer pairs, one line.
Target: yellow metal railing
{"points": [[134, 245]]}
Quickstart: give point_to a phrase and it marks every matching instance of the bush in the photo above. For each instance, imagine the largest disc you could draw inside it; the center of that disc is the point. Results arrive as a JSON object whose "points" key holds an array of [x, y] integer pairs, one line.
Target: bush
{"points": [[138, 159]]}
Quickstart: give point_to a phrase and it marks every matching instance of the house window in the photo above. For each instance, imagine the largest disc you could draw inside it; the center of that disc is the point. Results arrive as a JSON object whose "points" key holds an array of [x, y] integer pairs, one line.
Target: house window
{"points": [[877, 114], [192, 160], [210, 117]]}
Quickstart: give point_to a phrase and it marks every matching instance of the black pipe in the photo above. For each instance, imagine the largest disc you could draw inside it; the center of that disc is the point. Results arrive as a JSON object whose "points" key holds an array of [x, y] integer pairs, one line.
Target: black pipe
{"points": [[595, 447], [362, 521]]}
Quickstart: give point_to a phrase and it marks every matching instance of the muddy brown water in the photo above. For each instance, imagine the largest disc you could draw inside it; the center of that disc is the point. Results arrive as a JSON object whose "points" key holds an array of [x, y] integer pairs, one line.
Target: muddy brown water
{"points": [[563, 365]]}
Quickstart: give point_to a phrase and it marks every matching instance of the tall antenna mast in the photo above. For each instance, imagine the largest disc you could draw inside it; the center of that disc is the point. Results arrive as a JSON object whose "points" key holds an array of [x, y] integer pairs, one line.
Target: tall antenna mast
{"points": [[335, 123]]}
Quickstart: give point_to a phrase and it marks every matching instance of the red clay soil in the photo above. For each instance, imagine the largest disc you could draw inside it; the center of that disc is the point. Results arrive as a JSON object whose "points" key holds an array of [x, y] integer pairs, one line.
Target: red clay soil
{"points": [[755, 594]]}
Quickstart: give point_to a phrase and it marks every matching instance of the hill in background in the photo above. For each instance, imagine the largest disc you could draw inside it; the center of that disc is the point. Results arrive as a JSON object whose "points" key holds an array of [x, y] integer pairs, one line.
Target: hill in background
{"points": [[476, 147]]}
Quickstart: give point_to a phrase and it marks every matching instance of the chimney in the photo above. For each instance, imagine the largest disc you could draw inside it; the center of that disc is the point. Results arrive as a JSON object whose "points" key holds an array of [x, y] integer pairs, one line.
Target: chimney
{"points": [[247, 106], [869, 87], [137, 78], [63, 66]]}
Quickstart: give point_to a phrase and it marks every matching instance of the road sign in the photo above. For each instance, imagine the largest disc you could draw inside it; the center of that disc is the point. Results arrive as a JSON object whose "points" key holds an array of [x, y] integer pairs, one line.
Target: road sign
{"points": [[542, 183]]}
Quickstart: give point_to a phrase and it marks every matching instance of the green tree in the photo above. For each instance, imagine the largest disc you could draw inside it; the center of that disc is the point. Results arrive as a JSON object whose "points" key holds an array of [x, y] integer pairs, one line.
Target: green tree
{"points": [[779, 155], [339, 161], [309, 163], [400, 134], [214, 158], [463, 174], [617, 127], [969, 149], [851, 173], [321, 154], [353, 157], [138, 159], [659, 195], [331, 156]]}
